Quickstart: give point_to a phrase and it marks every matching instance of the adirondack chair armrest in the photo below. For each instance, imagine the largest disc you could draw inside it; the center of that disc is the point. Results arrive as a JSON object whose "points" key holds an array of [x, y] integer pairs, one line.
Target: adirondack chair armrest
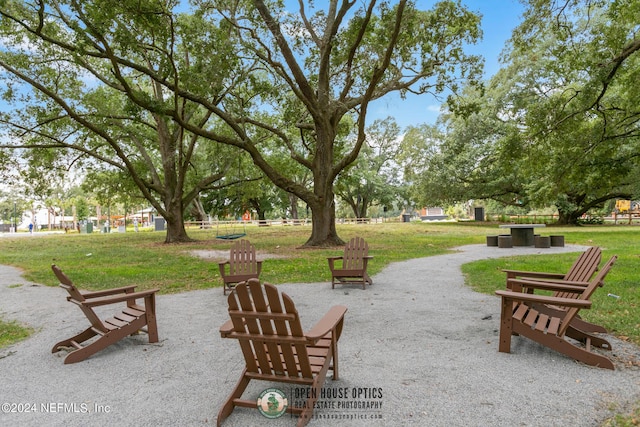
{"points": [[543, 299], [329, 322], [559, 286], [95, 294], [106, 300], [221, 266], [332, 260], [226, 329], [512, 274]]}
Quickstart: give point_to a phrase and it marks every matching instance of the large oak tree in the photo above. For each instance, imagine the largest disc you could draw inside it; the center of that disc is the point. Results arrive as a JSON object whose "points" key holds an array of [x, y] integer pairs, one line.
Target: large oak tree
{"points": [[88, 81], [558, 125], [246, 74]]}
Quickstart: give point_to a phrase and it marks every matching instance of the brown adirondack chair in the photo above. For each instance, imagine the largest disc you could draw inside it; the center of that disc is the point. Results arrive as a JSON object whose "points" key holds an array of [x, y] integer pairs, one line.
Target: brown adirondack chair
{"points": [[520, 317], [354, 264], [274, 347], [581, 271], [131, 320], [242, 263]]}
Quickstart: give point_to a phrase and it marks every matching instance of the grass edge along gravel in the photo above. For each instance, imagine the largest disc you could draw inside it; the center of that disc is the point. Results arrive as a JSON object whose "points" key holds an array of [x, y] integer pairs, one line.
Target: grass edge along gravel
{"points": [[101, 261]]}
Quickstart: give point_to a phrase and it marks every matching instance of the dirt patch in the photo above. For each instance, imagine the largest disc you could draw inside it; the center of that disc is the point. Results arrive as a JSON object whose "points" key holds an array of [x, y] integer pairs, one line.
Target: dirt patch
{"points": [[221, 255]]}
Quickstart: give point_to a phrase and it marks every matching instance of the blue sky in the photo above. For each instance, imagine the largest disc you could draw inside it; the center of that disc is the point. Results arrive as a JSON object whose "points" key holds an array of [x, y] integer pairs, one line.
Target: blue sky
{"points": [[499, 18]]}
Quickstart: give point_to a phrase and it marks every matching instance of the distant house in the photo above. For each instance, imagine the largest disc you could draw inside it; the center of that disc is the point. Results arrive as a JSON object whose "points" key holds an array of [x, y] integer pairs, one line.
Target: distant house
{"points": [[433, 214], [47, 219], [145, 216]]}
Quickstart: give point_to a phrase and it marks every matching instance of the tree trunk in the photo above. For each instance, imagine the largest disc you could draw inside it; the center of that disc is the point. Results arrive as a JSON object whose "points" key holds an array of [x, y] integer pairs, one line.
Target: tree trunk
{"points": [[293, 202], [198, 212], [568, 218], [323, 226], [262, 219], [323, 207], [176, 232], [362, 209]]}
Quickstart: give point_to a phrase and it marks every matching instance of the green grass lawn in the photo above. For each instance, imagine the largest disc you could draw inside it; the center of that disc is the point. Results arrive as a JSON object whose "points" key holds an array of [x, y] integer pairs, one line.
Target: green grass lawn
{"points": [[100, 261], [621, 316]]}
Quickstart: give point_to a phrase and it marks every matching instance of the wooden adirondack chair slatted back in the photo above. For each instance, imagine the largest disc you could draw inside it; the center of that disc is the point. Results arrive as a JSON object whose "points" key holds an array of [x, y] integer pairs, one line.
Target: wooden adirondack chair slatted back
{"points": [[270, 333], [588, 292], [76, 297], [354, 253], [586, 264], [527, 314], [242, 259], [582, 269]]}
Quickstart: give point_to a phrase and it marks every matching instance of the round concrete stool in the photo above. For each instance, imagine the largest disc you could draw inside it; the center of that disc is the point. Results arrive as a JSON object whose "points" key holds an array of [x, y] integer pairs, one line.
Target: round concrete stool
{"points": [[505, 241], [542, 241]]}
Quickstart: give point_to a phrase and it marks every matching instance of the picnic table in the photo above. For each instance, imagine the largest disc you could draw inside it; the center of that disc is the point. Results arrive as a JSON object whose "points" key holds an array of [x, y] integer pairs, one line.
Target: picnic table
{"points": [[522, 234]]}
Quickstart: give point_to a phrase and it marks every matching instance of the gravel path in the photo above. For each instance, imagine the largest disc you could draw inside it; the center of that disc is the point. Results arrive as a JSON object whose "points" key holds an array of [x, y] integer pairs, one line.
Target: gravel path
{"points": [[418, 348]]}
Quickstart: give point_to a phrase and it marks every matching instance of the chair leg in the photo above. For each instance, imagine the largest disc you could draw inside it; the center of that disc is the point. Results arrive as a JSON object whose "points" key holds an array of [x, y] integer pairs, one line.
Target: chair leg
{"points": [[152, 327], [150, 318], [80, 338], [506, 326], [561, 345], [583, 336], [228, 406], [307, 411], [316, 388], [91, 349], [334, 355]]}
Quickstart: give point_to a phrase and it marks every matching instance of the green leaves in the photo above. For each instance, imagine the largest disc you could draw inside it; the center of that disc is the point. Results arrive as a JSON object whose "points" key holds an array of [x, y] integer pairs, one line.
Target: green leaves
{"points": [[558, 125]]}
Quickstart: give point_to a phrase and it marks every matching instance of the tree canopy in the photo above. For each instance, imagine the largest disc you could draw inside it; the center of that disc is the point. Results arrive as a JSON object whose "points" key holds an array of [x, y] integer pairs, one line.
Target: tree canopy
{"points": [[89, 80], [141, 87], [558, 124]]}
